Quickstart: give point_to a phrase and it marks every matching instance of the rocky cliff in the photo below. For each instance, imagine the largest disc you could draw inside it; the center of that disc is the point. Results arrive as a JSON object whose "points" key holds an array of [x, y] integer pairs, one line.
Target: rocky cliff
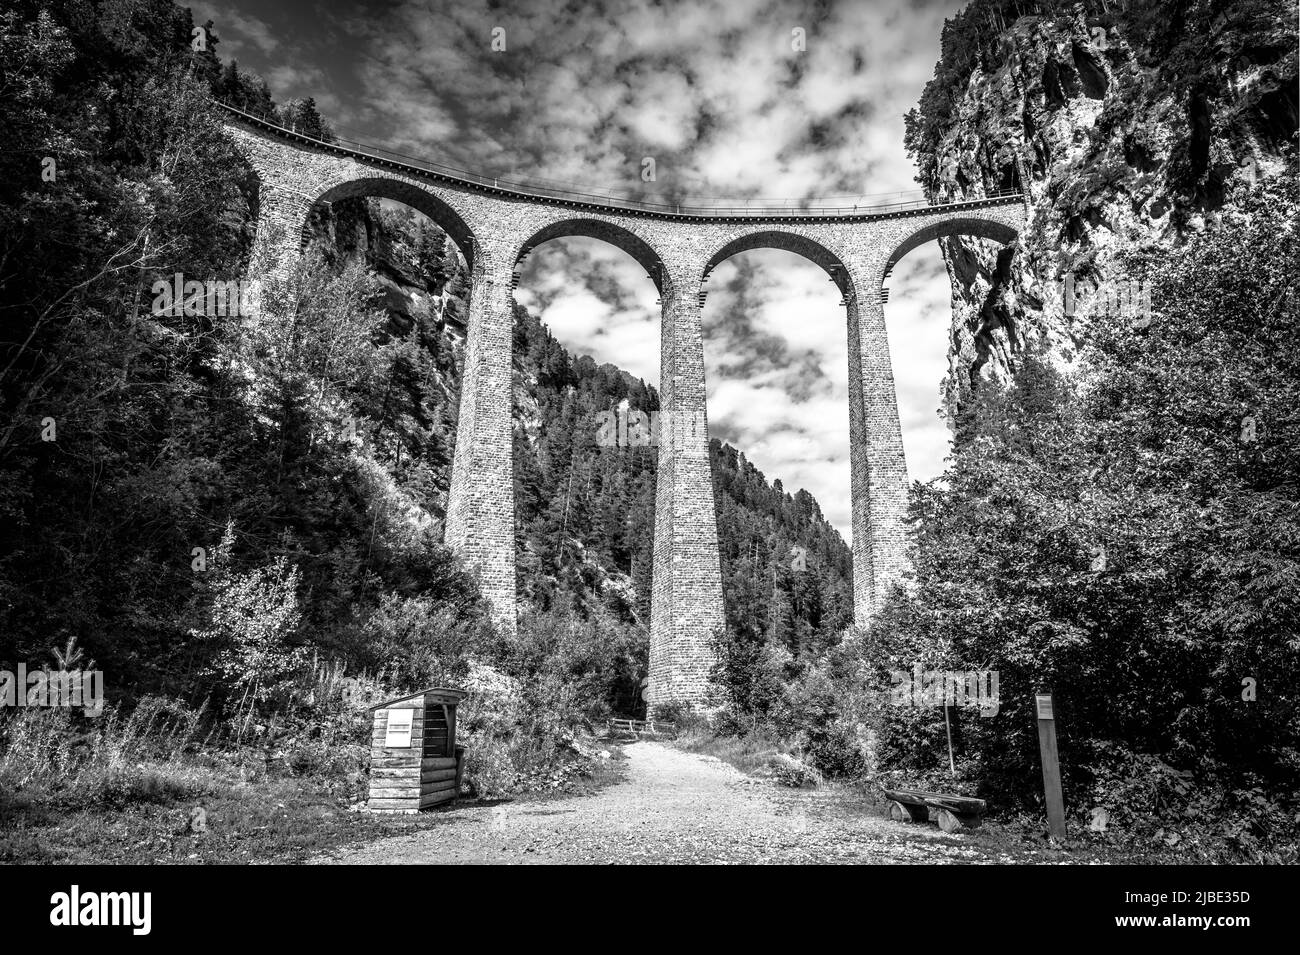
{"points": [[1130, 126]]}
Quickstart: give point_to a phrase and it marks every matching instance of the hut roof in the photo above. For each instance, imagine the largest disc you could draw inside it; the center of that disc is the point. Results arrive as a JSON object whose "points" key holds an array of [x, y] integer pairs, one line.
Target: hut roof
{"points": [[440, 694]]}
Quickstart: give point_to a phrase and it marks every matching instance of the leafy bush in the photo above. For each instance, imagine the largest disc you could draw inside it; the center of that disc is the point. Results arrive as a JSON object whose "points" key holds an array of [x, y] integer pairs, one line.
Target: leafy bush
{"points": [[578, 669], [417, 641], [790, 771], [749, 675], [252, 619], [690, 719]]}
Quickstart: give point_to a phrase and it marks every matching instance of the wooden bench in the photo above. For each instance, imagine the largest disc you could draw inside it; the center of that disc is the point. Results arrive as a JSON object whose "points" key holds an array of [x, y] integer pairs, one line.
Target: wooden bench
{"points": [[952, 813]]}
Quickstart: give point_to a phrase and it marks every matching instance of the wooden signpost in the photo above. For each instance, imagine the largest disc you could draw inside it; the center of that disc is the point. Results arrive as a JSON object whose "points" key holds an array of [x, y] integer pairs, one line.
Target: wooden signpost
{"points": [[1051, 766]]}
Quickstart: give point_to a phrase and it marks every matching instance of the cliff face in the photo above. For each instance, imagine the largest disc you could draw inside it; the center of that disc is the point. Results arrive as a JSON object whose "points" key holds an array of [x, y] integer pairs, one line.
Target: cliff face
{"points": [[1129, 128]]}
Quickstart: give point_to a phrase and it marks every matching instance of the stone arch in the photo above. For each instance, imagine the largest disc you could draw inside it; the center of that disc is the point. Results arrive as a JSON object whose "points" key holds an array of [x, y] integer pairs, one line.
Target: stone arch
{"points": [[780, 239], [422, 200], [880, 469], [977, 226], [621, 238], [823, 252]]}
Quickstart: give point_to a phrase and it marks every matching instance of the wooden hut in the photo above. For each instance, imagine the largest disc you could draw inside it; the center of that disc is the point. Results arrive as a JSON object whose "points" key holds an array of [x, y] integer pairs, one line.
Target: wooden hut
{"points": [[414, 760]]}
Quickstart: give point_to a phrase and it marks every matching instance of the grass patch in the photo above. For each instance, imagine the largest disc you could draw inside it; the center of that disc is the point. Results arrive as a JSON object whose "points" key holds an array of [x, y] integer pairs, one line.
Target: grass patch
{"points": [[754, 754], [264, 821], [121, 789]]}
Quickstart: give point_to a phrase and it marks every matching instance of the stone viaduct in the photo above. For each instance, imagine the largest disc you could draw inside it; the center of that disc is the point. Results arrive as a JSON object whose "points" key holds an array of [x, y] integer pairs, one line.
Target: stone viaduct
{"points": [[495, 226]]}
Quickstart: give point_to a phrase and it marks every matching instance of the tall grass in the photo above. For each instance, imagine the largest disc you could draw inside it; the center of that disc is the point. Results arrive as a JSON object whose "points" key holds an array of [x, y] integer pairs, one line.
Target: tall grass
{"points": [[163, 751], [51, 753]]}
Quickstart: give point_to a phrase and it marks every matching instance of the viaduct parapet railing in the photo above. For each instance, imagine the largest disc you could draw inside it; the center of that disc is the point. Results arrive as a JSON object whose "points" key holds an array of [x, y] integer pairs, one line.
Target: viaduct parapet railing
{"points": [[863, 208]]}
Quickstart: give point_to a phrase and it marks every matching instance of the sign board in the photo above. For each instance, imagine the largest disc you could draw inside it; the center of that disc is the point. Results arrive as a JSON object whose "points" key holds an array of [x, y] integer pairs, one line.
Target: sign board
{"points": [[1044, 701], [398, 731]]}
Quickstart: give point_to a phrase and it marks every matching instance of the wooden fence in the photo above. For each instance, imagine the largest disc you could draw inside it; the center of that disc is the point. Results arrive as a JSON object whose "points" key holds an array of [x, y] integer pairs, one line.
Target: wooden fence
{"points": [[639, 728]]}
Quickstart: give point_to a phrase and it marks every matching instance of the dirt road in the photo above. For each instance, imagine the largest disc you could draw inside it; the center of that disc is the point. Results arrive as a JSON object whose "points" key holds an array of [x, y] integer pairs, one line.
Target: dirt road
{"points": [[676, 807]]}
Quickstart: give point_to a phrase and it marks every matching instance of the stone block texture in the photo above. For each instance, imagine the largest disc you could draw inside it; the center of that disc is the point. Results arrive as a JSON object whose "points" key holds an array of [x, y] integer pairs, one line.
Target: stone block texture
{"points": [[686, 600], [496, 227]]}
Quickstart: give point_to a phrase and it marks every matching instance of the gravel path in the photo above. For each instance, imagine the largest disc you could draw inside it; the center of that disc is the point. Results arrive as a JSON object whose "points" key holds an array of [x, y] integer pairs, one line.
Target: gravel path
{"points": [[675, 807]]}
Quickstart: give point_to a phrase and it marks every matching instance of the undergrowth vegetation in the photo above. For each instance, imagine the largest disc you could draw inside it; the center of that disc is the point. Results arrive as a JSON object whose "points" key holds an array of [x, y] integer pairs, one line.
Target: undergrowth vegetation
{"points": [[1127, 536]]}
